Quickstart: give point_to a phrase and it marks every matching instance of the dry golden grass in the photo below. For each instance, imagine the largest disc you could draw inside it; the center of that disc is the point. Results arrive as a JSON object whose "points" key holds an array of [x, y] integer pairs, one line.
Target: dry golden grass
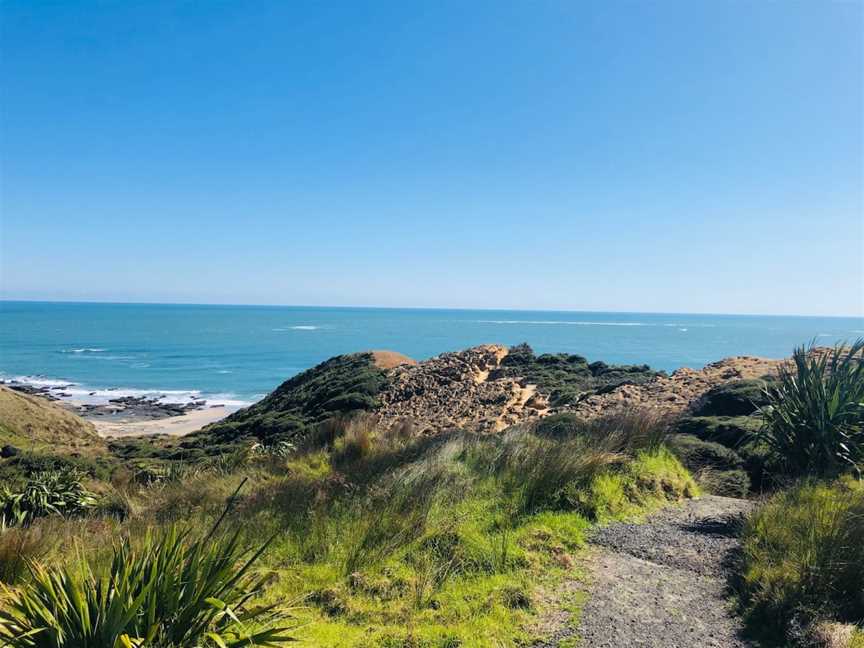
{"points": [[36, 424]]}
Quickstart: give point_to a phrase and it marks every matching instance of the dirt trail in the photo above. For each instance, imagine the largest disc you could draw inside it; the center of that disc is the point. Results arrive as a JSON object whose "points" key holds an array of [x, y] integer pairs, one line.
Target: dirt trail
{"points": [[660, 584]]}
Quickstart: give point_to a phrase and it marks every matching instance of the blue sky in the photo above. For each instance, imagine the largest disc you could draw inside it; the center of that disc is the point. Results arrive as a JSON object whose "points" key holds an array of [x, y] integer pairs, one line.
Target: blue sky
{"points": [[641, 156]]}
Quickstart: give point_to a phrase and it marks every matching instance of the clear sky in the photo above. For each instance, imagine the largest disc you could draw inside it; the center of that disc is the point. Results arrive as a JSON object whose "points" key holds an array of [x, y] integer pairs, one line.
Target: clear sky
{"points": [[644, 156]]}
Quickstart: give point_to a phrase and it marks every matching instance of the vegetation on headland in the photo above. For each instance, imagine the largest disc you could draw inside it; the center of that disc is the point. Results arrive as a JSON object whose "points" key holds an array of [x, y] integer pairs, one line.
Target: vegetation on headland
{"points": [[386, 537], [567, 377], [803, 549]]}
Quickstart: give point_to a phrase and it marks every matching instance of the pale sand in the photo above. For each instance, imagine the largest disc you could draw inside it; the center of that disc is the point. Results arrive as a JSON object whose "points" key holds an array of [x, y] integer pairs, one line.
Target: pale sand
{"points": [[174, 425]]}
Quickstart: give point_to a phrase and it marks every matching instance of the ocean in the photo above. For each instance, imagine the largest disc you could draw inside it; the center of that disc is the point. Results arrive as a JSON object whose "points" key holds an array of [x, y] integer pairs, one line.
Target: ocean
{"points": [[236, 354]]}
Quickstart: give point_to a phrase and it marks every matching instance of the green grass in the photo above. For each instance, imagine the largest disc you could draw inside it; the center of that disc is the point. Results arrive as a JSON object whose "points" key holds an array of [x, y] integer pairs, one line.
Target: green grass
{"points": [[804, 556], [388, 539]]}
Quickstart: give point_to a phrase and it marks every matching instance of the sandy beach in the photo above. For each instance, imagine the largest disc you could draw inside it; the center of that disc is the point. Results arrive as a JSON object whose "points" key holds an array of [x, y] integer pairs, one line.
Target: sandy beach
{"points": [[173, 425]]}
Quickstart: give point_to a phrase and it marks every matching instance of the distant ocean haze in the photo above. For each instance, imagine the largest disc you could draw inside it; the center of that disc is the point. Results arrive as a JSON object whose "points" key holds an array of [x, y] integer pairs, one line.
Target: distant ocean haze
{"points": [[236, 354]]}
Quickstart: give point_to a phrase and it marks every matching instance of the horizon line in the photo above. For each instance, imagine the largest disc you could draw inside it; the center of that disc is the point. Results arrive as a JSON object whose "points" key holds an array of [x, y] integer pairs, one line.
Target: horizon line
{"points": [[418, 308]]}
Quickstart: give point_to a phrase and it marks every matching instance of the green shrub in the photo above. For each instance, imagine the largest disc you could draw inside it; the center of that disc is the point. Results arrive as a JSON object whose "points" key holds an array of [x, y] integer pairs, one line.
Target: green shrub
{"points": [[54, 492], [804, 555], [730, 431], [698, 455], [814, 423], [733, 398], [172, 592], [621, 431], [728, 483]]}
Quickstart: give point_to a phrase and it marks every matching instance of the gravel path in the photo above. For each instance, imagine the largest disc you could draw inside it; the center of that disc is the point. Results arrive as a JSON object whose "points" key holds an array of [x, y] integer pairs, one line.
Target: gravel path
{"points": [[662, 583]]}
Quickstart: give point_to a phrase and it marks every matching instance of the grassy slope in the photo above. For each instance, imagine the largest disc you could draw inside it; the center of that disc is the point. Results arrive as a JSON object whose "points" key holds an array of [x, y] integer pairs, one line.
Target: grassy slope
{"points": [[470, 573], [403, 542], [35, 424]]}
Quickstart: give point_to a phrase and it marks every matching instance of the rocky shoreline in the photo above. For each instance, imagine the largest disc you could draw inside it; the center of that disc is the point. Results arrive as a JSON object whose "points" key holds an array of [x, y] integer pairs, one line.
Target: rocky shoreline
{"points": [[126, 408]]}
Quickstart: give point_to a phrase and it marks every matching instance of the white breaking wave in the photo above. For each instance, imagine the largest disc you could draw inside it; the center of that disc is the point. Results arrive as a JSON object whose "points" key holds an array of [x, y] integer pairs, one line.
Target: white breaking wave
{"points": [[72, 391], [304, 328], [565, 322], [84, 350]]}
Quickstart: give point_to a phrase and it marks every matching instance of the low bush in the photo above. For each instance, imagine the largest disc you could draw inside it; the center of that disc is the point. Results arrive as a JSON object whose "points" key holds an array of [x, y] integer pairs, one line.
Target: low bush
{"points": [[733, 398], [803, 556], [730, 431], [727, 483], [698, 455]]}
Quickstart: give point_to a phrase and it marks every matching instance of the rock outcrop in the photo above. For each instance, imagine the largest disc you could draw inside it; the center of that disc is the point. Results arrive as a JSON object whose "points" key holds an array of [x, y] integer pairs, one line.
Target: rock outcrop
{"points": [[458, 390]]}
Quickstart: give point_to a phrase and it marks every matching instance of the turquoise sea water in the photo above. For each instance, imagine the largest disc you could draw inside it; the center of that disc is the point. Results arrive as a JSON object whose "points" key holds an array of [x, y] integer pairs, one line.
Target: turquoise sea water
{"points": [[239, 353]]}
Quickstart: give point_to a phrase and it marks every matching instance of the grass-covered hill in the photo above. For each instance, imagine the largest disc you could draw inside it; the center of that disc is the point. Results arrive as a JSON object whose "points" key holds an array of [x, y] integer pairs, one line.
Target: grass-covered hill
{"points": [[341, 385], [29, 423]]}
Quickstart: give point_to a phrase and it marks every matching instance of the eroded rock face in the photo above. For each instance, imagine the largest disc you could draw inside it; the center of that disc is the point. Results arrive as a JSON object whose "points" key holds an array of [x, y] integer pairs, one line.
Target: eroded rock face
{"points": [[491, 387], [455, 390]]}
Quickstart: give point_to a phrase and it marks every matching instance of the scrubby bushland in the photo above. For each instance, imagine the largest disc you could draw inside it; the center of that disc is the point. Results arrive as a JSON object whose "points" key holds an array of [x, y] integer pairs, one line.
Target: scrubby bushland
{"points": [[170, 591], [565, 377], [340, 385], [803, 557], [814, 420], [730, 431]]}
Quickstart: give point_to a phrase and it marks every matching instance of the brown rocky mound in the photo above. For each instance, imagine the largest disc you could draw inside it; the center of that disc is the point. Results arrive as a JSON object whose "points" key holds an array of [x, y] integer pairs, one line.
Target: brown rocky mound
{"points": [[390, 359], [675, 393], [468, 390], [453, 390]]}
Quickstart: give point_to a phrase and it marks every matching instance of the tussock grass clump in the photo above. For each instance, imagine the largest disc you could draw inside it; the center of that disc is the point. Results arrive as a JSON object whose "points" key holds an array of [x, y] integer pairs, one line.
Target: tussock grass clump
{"points": [[18, 547], [814, 420], [584, 465], [804, 555]]}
